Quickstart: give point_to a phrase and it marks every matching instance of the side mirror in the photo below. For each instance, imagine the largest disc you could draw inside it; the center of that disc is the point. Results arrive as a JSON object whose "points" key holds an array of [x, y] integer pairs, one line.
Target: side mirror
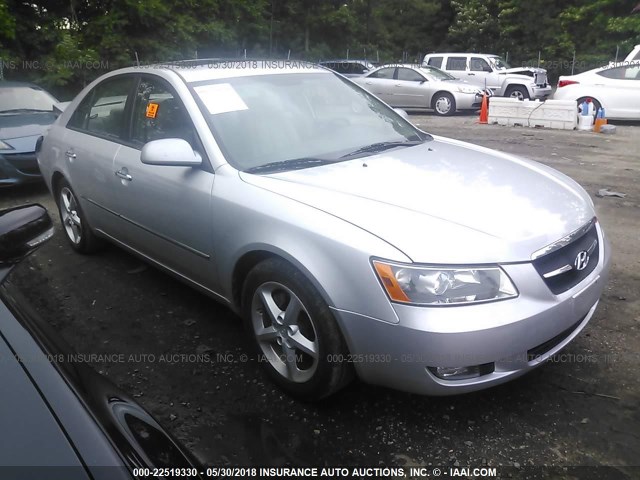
{"points": [[171, 152], [402, 113], [22, 230]]}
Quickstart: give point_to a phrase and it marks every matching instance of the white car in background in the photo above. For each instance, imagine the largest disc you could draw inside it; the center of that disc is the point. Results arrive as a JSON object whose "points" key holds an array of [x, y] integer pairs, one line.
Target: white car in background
{"points": [[615, 87]]}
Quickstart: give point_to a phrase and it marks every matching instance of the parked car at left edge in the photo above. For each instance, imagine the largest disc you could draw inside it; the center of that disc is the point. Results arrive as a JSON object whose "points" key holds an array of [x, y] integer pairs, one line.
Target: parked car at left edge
{"points": [[26, 112], [412, 87], [58, 417]]}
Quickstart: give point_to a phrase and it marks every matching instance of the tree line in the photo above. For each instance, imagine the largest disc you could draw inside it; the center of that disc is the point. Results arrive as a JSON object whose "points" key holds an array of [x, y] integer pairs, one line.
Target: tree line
{"points": [[65, 44]]}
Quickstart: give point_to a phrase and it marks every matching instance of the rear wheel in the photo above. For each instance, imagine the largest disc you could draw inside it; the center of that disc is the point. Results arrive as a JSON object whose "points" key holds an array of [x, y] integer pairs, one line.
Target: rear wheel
{"points": [[295, 333], [596, 105], [444, 104], [517, 91], [74, 223]]}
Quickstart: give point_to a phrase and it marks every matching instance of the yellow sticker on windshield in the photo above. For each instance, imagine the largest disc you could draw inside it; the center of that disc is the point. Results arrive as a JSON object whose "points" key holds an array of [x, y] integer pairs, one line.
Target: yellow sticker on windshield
{"points": [[152, 110]]}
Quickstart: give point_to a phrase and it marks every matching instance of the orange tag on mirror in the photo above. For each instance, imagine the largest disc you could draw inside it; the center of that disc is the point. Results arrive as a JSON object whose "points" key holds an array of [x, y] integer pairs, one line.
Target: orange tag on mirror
{"points": [[152, 110]]}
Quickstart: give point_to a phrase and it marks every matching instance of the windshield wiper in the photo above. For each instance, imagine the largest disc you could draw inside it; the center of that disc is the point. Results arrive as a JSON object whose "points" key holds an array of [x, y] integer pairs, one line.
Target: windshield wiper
{"points": [[381, 146], [295, 164], [21, 110]]}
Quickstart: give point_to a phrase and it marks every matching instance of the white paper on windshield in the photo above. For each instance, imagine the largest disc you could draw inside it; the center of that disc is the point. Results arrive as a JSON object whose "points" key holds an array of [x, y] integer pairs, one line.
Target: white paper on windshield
{"points": [[220, 98]]}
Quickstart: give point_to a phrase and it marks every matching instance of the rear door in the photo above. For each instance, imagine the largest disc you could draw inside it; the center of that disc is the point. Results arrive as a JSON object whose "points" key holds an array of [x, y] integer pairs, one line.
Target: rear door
{"points": [[381, 83], [456, 65], [165, 210], [91, 141], [619, 91]]}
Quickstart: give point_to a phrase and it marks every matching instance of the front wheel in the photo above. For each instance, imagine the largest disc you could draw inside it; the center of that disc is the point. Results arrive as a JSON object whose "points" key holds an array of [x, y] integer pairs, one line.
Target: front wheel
{"points": [[518, 92], [296, 336], [444, 104], [74, 223]]}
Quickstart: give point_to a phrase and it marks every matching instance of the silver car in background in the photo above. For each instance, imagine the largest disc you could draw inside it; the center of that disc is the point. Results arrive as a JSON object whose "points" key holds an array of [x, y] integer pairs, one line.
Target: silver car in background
{"points": [[413, 87], [349, 241]]}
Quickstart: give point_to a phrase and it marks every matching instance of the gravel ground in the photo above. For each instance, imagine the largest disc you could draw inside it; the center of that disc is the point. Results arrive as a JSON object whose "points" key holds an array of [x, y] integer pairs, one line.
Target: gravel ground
{"points": [[579, 410]]}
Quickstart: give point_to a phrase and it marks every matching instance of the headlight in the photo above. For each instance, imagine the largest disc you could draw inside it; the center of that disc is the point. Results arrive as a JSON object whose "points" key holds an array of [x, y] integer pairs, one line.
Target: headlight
{"points": [[5, 146], [469, 90], [444, 286]]}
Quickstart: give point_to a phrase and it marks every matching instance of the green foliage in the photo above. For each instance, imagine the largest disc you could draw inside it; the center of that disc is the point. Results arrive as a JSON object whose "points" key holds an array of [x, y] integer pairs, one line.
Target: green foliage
{"points": [[66, 37]]}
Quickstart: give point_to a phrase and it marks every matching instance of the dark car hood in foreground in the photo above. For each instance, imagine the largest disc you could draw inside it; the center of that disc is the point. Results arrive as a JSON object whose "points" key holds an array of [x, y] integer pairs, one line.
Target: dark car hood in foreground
{"points": [[444, 201]]}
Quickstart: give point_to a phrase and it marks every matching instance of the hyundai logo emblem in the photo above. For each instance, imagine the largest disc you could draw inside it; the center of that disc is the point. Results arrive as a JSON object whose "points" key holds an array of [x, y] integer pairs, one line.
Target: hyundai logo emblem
{"points": [[581, 261]]}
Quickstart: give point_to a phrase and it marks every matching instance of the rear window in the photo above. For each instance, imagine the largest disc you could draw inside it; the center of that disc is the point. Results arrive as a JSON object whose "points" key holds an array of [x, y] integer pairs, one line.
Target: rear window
{"points": [[456, 63]]}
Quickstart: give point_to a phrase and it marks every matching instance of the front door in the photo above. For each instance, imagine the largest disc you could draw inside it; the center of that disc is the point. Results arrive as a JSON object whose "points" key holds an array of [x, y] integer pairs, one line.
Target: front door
{"points": [[165, 210]]}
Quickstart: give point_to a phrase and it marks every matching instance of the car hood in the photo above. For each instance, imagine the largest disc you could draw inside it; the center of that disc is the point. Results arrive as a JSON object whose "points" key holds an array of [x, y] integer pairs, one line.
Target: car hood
{"points": [[522, 71], [25, 124], [444, 201]]}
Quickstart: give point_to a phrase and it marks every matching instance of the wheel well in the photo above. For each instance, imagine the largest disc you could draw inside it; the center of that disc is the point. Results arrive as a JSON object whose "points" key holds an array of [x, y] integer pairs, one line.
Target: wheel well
{"points": [[435, 97], [242, 269], [55, 181]]}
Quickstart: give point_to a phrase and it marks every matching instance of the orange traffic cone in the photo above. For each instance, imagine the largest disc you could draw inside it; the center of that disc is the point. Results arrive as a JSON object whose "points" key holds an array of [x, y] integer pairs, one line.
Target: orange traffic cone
{"points": [[484, 110]]}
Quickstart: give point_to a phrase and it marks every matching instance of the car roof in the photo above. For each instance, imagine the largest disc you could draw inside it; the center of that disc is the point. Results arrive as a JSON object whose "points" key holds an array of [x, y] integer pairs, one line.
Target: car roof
{"points": [[460, 53], [214, 69], [345, 60]]}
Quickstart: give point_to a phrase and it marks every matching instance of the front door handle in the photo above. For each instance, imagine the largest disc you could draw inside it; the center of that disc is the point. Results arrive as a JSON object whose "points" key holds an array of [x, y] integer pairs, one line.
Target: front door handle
{"points": [[124, 175], [70, 154], [471, 74]]}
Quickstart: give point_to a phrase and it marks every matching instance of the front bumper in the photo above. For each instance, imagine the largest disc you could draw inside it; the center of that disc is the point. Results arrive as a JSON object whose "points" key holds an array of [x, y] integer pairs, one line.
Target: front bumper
{"points": [[18, 168], [468, 101], [513, 336]]}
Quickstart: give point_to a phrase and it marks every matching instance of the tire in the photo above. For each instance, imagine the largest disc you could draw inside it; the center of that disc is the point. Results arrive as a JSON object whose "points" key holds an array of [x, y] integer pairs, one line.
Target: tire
{"points": [[305, 355], [443, 104], [517, 91], [74, 223], [596, 105]]}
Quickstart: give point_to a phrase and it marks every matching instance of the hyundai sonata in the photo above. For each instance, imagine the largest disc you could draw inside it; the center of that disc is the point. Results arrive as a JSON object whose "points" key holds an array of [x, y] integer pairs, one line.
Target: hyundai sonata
{"points": [[350, 242]]}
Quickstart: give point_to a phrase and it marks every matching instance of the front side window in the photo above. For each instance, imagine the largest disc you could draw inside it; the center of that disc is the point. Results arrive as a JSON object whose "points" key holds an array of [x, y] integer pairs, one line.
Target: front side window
{"points": [[158, 113], [457, 63], [102, 111], [477, 64], [409, 75], [293, 119]]}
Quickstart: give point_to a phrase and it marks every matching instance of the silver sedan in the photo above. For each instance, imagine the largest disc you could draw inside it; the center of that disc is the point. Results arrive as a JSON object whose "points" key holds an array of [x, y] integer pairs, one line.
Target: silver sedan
{"points": [[413, 87], [349, 241]]}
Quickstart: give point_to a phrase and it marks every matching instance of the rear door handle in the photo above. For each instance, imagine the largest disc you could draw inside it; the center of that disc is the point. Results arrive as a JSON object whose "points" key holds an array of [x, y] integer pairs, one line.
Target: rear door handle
{"points": [[124, 175], [70, 154]]}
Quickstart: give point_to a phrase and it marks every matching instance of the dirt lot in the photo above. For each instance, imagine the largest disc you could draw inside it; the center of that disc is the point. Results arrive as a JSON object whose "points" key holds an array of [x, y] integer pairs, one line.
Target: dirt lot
{"points": [[579, 410]]}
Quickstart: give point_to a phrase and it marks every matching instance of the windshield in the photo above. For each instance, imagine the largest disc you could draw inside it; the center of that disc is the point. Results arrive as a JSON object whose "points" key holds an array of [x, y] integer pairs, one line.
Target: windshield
{"points": [[499, 63], [25, 98], [433, 73], [299, 120]]}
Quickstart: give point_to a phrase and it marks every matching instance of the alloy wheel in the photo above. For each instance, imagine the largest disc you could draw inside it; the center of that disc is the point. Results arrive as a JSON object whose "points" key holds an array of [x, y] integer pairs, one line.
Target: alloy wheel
{"points": [[285, 332], [69, 214]]}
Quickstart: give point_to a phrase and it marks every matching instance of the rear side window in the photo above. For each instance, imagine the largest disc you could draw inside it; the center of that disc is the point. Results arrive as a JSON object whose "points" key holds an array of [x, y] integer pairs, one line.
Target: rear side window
{"points": [[435, 62], [622, 73], [456, 63], [103, 110], [383, 73]]}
